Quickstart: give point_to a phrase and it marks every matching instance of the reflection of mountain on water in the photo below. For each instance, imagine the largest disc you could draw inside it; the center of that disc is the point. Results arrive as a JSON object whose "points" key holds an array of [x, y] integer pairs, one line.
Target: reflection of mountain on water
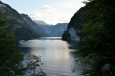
{"points": [[50, 38]]}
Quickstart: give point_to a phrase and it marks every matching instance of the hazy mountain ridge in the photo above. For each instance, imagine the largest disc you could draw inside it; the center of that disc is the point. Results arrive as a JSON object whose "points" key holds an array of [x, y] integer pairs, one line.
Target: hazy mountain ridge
{"points": [[54, 30], [58, 29], [45, 30]]}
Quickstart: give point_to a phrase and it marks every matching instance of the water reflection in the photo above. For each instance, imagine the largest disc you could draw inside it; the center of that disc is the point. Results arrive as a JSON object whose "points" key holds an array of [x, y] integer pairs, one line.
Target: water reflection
{"points": [[56, 57]]}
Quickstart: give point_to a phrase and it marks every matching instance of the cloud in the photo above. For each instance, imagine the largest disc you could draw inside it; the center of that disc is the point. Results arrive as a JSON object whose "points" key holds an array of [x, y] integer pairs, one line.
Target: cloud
{"points": [[54, 15], [47, 7]]}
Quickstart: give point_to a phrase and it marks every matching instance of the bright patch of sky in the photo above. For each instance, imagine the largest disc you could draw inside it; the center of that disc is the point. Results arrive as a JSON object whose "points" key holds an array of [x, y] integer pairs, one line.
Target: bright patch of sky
{"points": [[50, 11]]}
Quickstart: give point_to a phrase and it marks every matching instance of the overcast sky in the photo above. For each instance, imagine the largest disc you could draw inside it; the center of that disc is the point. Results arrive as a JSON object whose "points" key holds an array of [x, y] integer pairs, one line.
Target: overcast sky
{"points": [[50, 11]]}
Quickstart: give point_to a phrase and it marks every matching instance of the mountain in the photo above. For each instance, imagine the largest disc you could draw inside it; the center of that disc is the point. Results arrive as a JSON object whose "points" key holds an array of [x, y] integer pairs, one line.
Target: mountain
{"points": [[58, 29], [26, 28], [74, 27], [36, 27], [21, 27], [53, 30]]}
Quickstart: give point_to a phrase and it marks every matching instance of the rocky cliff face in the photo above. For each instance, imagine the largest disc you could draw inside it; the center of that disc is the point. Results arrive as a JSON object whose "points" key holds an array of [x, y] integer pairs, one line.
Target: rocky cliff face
{"points": [[75, 25], [73, 35]]}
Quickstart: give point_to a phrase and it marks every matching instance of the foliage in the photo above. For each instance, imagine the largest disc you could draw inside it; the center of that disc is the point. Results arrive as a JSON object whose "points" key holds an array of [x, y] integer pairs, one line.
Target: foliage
{"points": [[66, 36], [10, 60], [33, 65], [99, 34]]}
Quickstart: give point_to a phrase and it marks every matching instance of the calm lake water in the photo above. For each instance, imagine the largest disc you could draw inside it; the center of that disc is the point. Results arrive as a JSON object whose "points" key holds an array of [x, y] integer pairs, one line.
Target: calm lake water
{"points": [[56, 57]]}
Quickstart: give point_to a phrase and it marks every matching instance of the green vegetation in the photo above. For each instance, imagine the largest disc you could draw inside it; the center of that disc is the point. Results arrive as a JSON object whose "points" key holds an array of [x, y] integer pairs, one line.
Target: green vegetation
{"points": [[33, 65], [98, 52], [66, 36], [10, 60]]}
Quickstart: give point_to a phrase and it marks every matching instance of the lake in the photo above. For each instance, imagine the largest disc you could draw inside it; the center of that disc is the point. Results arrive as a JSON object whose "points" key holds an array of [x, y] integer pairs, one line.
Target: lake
{"points": [[55, 55]]}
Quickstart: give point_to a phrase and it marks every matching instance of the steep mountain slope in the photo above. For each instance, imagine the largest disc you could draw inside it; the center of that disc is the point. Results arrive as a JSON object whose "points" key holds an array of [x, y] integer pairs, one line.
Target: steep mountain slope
{"points": [[22, 29], [36, 27], [74, 27]]}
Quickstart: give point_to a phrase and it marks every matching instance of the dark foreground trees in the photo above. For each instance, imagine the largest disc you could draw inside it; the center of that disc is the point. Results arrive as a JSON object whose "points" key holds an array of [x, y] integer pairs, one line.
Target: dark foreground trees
{"points": [[98, 33], [10, 60]]}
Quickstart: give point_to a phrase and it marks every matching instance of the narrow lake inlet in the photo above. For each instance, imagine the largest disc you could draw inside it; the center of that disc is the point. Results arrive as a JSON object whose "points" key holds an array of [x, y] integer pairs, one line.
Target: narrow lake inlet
{"points": [[55, 55]]}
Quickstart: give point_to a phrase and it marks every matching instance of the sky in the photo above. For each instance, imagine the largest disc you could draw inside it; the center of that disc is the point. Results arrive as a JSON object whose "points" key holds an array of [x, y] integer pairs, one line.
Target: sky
{"points": [[49, 11]]}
